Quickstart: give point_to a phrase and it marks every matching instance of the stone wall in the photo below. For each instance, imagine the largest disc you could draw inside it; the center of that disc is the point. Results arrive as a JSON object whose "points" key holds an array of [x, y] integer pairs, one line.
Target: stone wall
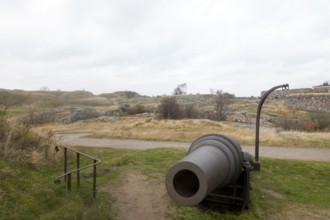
{"points": [[279, 94], [306, 99], [310, 102]]}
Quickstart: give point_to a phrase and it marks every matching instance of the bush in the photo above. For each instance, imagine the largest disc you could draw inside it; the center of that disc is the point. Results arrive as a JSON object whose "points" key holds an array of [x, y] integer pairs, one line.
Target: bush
{"points": [[19, 144], [138, 109], [190, 111], [299, 124], [323, 119], [169, 108], [38, 118], [126, 109], [315, 121]]}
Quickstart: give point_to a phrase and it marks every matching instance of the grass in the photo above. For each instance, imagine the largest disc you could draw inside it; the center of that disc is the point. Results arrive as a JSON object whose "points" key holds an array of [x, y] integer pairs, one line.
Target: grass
{"points": [[302, 182], [282, 188], [188, 130], [28, 192], [279, 185]]}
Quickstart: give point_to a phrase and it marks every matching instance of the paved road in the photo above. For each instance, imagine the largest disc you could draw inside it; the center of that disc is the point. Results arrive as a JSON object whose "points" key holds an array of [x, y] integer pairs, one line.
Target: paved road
{"points": [[298, 153]]}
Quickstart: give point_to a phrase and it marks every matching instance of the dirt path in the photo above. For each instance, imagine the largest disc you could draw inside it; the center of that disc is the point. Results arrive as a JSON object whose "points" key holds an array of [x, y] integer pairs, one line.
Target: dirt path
{"points": [[138, 198], [297, 153]]}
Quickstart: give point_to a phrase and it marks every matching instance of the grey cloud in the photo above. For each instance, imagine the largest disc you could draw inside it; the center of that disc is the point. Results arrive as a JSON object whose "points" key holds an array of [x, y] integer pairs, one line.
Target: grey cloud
{"points": [[151, 46]]}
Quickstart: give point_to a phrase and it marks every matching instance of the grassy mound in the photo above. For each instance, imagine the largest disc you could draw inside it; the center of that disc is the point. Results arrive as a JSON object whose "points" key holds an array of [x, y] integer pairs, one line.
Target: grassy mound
{"points": [[20, 98], [83, 98]]}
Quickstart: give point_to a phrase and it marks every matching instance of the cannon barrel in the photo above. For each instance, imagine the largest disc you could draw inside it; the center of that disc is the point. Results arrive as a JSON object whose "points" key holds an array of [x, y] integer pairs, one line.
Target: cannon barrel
{"points": [[212, 161]]}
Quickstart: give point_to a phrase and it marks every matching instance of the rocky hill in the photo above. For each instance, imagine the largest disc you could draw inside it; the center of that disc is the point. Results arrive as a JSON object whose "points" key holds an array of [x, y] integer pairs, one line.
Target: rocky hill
{"points": [[71, 106]]}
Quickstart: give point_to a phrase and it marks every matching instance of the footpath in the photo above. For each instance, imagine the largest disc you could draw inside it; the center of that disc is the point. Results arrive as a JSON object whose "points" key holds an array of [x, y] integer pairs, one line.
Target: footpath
{"points": [[296, 153]]}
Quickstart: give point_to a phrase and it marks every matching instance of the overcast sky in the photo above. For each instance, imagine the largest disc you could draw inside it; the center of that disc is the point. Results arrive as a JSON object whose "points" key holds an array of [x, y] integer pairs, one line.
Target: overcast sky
{"points": [[151, 46]]}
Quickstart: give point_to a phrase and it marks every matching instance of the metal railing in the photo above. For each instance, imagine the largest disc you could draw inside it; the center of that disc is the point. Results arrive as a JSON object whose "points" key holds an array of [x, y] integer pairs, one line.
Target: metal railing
{"points": [[68, 174]]}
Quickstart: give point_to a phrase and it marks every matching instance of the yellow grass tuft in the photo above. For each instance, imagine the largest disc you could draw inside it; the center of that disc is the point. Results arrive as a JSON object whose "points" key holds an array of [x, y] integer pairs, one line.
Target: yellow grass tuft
{"points": [[188, 130]]}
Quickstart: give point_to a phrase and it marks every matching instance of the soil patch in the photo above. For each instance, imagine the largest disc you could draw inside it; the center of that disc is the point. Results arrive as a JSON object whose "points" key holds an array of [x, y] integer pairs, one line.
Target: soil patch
{"points": [[138, 198], [307, 213], [273, 193]]}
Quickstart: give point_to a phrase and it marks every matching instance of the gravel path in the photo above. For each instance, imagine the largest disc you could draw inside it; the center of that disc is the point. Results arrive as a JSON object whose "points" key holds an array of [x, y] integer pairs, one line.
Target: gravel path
{"points": [[298, 153]]}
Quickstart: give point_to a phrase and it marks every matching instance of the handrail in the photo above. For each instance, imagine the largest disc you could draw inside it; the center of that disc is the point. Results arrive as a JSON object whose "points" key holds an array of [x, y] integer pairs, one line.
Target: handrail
{"points": [[67, 174]]}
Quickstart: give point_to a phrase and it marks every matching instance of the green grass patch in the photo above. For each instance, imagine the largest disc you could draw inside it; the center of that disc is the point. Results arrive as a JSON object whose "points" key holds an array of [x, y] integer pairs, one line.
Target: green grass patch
{"points": [[279, 185], [28, 192], [302, 182]]}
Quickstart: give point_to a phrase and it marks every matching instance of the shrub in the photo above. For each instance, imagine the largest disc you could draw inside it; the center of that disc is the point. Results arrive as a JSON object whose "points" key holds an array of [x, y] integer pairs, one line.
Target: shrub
{"points": [[299, 124], [137, 109], [310, 125], [323, 119], [126, 108], [169, 108], [314, 121], [190, 111], [19, 144], [38, 118]]}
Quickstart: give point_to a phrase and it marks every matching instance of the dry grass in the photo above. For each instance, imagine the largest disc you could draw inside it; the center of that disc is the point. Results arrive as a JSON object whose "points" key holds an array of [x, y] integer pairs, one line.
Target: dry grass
{"points": [[187, 130], [19, 144]]}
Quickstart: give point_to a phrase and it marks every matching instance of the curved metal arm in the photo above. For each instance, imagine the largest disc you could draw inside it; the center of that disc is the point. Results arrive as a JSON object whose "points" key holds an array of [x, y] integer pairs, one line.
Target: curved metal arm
{"points": [[263, 98]]}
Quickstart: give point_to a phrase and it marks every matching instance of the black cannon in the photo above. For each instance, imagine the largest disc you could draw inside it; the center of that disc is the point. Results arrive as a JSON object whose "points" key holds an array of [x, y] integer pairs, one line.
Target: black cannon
{"points": [[215, 171]]}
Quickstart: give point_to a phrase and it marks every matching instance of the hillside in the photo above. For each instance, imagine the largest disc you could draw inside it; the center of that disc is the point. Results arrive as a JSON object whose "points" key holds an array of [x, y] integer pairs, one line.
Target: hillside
{"points": [[71, 106], [51, 99], [29, 192], [20, 98]]}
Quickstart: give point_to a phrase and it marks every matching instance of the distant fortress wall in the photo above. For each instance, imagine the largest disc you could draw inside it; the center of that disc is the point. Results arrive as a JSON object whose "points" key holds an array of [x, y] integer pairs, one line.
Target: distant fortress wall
{"points": [[306, 99], [280, 94], [309, 102]]}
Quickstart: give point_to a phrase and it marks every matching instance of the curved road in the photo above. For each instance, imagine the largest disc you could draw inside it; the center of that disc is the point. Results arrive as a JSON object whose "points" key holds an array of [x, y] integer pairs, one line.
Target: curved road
{"points": [[297, 153]]}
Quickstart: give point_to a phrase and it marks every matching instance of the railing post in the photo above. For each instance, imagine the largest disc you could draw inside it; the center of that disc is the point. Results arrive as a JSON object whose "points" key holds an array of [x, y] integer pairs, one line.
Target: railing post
{"points": [[94, 179], [65, 162], [69, 182], [78, 171]]}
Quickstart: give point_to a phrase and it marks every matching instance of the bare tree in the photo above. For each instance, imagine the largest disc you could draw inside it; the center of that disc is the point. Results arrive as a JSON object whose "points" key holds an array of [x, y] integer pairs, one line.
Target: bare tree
{"points": [[221, 102], [44, 89], [181, 89]]}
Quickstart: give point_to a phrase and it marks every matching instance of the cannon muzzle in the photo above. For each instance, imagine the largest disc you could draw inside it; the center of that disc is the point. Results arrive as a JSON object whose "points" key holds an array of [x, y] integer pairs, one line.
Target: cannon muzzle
{"points": [[213, 161]]}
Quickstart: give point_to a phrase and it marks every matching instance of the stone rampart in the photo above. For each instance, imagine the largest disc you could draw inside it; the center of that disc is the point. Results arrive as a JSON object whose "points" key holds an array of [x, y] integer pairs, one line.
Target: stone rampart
{"points": [[306, 99], [279, 94], [310, 102]]}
